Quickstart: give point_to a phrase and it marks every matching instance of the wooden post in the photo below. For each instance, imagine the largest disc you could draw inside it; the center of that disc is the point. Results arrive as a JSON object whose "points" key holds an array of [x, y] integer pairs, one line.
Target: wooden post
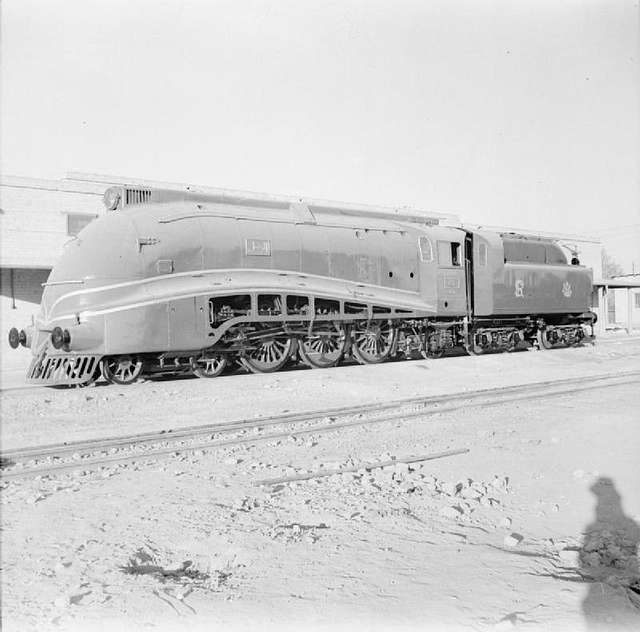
{"points": [[13, 288], [605, 308], [599, 307]]}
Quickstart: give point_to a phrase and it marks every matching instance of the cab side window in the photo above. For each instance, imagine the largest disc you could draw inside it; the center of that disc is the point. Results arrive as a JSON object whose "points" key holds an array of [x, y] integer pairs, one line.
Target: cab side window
{"points": [[449, 253], [444, 253], [426, 250], [482, 255], [455, 253]]}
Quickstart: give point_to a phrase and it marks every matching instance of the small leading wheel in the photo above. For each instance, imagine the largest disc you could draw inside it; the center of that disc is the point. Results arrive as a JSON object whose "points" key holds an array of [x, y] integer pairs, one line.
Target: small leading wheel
{"points": [[208, 366], [124, 369], [324, 347], [270, 353], [373, 341], [543, 338]]}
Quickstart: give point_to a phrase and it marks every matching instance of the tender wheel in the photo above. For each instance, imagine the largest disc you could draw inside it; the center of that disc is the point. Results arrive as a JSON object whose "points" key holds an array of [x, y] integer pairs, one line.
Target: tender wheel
{"points": [[373, 341], [123, 369], [270, 354], [472, 347], [542, 336], [324, 347], [208, 366], [579, 339], [517, 337]]}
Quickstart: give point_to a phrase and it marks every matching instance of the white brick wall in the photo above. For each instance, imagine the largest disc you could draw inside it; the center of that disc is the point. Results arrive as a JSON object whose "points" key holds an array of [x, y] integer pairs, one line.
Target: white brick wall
{"points": [[33, 230], [17, 310], [33, 222]]}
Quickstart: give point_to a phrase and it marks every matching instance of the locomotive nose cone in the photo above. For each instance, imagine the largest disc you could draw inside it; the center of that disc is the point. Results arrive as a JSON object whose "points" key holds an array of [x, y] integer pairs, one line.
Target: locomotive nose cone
{"points": [[14, 338]]}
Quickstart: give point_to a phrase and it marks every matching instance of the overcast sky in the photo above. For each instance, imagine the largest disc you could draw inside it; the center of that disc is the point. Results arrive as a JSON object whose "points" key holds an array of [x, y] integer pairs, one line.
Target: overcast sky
{"points": [[507, 112]]}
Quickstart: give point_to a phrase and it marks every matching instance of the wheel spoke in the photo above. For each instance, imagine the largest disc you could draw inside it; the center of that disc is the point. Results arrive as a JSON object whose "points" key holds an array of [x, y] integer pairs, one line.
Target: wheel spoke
{"points": [[373, 342], [269, 353], [323, 347], [121, 370]]}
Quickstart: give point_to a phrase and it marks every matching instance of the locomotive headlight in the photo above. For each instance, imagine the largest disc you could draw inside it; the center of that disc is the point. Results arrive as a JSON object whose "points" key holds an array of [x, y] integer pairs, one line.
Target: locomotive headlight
{"points": [[17, 338], [14, 338], [60, 337], [111, 198]]}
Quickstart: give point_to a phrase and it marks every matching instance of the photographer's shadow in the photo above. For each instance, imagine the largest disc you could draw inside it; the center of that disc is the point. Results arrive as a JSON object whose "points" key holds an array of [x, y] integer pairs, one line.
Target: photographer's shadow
{"points": [[609, 562]]}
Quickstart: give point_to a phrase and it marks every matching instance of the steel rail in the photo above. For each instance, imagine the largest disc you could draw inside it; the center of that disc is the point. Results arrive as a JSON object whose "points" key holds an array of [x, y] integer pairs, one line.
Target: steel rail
{"points": [[70, 447], [393, 411]]}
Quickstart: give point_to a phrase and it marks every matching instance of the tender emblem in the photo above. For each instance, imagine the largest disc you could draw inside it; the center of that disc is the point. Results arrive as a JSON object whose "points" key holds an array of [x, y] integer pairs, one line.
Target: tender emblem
{"points": [[519, 288], [566, 289]]}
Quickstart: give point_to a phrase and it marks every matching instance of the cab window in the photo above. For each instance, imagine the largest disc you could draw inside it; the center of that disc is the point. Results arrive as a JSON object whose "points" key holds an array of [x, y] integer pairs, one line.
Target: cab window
{"points": [[449, 253], [444, 253], [455, 253], [482, 255], [426, 251]]}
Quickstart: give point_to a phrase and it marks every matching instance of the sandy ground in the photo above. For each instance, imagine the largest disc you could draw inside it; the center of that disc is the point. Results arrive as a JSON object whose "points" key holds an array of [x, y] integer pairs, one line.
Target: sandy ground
{"points": [[31, 416], [536, 528]]}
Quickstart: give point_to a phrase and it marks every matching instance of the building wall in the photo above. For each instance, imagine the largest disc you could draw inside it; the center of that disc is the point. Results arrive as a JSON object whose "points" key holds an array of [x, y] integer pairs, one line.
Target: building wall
{"points": [[33, 229], [19, 300], [33, 221], [621, 298]]}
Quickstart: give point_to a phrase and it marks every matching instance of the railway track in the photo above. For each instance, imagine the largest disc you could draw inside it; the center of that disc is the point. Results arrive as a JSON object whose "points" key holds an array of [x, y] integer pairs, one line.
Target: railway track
{"points": [[103, 452]]}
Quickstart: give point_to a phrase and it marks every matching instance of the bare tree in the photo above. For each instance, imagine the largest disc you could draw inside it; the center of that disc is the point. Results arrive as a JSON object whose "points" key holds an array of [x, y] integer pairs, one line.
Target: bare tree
{"points": [[610, 267]]}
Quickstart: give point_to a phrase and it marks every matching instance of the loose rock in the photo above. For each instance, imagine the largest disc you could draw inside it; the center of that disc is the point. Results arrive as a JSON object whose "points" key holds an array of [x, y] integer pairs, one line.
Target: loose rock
{"points": [[513, 540], [452, 512]]}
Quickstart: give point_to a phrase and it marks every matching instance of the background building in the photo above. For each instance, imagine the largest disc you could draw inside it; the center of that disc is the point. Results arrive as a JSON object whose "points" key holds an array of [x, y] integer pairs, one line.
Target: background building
{"points": [[37, 217]]}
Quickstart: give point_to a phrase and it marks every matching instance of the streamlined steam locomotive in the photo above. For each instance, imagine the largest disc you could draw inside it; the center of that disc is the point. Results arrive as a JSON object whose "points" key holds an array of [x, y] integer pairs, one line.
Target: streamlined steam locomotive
{"points": [[194, 281]]}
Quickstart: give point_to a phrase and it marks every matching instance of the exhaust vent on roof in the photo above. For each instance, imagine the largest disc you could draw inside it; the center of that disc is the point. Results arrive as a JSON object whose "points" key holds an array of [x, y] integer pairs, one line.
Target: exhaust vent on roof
{"points": [[136, 196]]}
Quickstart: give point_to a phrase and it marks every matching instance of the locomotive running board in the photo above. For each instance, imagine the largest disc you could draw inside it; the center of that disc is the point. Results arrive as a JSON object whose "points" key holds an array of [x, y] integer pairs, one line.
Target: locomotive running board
{"points": [[70, 369]]}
